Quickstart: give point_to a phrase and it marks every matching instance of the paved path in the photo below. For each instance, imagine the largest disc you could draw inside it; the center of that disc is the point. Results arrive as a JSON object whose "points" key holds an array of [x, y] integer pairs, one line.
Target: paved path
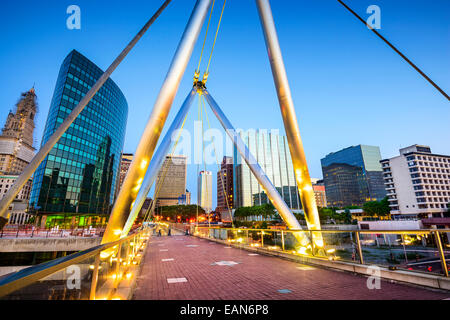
{"points": [[188, 268]]}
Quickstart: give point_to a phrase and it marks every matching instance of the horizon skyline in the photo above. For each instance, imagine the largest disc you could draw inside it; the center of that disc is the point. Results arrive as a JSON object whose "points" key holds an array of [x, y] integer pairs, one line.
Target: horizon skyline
{"points": [[395, 89]]}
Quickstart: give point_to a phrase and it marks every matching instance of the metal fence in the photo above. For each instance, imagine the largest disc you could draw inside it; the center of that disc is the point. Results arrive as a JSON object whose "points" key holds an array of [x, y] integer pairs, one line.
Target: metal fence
{"points": [[105, 272], [28, 231], [414, 250]]}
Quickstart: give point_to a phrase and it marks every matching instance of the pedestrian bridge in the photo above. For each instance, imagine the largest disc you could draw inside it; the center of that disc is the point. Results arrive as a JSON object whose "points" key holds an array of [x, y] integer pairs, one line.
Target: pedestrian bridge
{"points": [[218, 263]]}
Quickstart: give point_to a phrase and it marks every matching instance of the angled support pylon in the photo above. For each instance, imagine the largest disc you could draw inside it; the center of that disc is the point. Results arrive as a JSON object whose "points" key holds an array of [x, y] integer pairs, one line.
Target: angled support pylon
{"points": [[302, 176], [258, 172], [155, 124], [158, 161]]}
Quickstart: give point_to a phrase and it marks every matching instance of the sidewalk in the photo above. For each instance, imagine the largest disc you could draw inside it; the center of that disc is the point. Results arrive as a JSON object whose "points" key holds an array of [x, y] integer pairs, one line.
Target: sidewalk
{"points": [[188, 268]]}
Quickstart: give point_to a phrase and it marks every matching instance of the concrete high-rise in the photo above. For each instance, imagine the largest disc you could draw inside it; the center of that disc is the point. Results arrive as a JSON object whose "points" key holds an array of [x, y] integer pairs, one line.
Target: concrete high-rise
{"points": [[204, 190], [418, 185], [319, 193], [353, 176], [171, 181], [75, 183], [125, 163], [225, 185]]}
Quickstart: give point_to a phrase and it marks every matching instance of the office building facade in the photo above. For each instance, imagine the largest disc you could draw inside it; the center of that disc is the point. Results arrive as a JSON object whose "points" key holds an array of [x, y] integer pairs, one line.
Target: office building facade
{"points": [[204, 191], [125, 163], [75, 183], [353, 176], [418, 185], [271, 150], [171, 181], [225, 185], [18, 209], [320, 195]]}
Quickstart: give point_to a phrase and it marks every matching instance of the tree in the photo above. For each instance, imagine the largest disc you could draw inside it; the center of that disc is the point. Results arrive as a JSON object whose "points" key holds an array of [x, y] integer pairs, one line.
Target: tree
{"points": [[182, 211], [326, 214], [380, 208], [347, 216]]}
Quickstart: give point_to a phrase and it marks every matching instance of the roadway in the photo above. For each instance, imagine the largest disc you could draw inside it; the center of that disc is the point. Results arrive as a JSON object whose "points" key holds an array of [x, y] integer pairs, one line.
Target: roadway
{"points": [[188, 268]]}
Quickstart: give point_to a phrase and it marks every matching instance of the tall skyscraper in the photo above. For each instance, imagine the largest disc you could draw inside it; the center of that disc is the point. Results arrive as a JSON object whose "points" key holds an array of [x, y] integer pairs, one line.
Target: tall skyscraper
{"points": [[418, 185], [225, 185], [16, 140], [125, 163], [75, 184], [16, 152], [204, 191], [353, 176], [171, 181], [272, 153]]}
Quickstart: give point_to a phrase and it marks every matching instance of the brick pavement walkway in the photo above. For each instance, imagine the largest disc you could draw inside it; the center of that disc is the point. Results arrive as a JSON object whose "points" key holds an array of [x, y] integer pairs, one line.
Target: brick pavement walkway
{"points": [[188, 268]]}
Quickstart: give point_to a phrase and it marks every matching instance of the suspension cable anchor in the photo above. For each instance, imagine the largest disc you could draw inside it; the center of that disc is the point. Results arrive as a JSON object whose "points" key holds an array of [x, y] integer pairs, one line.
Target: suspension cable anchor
{"points": [[200, 86], [205, 78], [196, 76]]}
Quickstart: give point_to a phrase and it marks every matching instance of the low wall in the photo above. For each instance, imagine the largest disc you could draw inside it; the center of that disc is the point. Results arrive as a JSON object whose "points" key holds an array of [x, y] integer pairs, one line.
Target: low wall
{"points": [[48, 245]]}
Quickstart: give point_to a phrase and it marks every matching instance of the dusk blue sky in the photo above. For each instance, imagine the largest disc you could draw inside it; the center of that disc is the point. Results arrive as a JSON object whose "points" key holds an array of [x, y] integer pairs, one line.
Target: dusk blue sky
{"points": [[349, 88]]}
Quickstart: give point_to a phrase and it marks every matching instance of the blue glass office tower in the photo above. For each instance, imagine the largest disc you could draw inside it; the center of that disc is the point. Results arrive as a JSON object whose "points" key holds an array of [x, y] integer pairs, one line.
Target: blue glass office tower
{"points": [[78, 177], [353, 176], [272, 153]]}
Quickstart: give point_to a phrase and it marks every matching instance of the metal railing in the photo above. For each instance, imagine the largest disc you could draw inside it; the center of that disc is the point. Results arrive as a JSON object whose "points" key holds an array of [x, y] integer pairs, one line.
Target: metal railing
{"points": [[105, 272], [29, 231], [425, 250]]}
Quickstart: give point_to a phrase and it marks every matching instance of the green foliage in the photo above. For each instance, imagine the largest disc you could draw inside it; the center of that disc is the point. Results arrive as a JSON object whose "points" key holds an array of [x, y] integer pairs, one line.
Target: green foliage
{"points": [[266, 211], [185, 212], [326, 214], [352, 207], [346, 216], [380, 208], [32, 220]]}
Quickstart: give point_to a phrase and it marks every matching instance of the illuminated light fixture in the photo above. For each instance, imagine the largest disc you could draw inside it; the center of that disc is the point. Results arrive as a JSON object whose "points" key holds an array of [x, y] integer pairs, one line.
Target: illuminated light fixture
{"points": [[91, 267], [117, 232], [302, 250], [331, 250], [144, 164], [318, 243], [129, 275], [105, 254]]}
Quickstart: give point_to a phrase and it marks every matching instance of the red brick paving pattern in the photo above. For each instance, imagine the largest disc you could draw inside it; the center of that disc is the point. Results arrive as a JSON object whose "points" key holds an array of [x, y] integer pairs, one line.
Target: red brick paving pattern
{"points": [[254, 278]]}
